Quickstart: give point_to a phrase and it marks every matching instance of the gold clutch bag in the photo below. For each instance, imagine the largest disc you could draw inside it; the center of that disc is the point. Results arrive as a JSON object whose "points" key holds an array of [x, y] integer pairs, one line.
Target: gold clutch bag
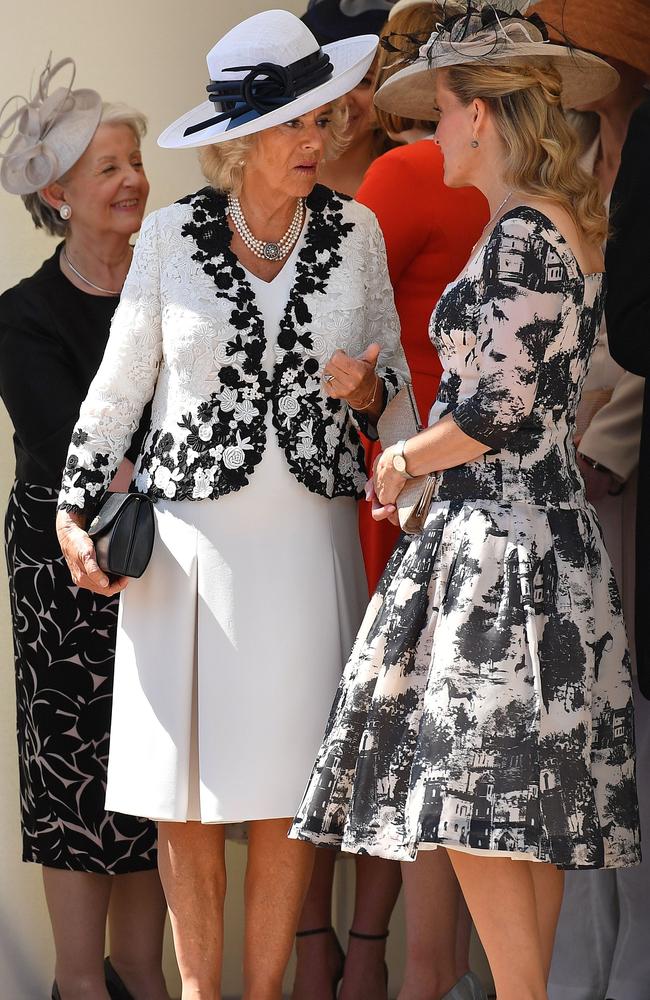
{"points": [[400, 421]]}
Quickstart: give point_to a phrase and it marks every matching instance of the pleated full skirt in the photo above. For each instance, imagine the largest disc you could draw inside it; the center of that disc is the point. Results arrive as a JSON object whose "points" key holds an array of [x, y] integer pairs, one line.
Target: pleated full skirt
{"points": [[487, 702], [230, 649]]}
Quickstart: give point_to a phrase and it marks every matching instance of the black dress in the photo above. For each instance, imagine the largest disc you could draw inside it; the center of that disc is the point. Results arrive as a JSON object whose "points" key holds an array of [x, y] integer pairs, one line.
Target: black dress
{"points": [[52, 338], [628, 307]]}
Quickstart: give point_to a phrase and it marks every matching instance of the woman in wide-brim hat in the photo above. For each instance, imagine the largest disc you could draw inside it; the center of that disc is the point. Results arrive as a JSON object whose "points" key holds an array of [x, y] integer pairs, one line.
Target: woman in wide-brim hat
{"points": [[258, 313], [476, 712], [610, 906]]}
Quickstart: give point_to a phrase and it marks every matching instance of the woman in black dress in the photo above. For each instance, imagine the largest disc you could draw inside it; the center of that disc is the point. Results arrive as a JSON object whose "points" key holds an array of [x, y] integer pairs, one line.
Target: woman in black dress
{"points": [[84, 182]]}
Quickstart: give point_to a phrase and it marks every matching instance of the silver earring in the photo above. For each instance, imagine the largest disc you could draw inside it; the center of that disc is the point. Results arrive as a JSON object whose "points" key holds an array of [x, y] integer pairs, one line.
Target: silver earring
{"points": [[65, 211], [475, 144], [242, 163]]}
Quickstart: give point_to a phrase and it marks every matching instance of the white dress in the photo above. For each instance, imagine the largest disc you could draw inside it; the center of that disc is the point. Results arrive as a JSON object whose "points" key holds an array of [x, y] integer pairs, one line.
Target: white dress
{"points": [[242, 624]]}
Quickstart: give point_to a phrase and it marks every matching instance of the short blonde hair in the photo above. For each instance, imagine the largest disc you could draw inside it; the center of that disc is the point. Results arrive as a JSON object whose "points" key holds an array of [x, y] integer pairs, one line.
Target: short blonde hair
{"points": [[223, 162], [542, 151], [47, 218]]}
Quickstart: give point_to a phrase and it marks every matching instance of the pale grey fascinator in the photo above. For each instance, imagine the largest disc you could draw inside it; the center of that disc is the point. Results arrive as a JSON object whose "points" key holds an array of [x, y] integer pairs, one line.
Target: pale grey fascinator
{"points": [[497, 33], [48, 132]]}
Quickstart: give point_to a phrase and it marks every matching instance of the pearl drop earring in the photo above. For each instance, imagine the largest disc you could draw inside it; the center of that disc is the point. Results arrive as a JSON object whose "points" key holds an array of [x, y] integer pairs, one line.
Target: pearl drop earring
{"points": [[65, 211]]}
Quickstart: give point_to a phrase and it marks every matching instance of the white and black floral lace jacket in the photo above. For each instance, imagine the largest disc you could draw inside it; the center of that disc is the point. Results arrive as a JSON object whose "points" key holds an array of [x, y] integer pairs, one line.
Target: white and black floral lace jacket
{"points": [[189, 333]]}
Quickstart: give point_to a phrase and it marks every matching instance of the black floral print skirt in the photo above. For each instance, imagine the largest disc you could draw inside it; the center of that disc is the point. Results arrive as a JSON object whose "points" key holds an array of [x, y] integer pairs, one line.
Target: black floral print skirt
{"points": [[487, 702], [64, 644]]}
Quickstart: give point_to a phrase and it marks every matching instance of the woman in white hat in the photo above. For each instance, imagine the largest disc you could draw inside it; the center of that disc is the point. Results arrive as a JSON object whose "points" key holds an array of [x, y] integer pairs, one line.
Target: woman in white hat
{"points": [[258, 314], [77, 164], [487, 705]]}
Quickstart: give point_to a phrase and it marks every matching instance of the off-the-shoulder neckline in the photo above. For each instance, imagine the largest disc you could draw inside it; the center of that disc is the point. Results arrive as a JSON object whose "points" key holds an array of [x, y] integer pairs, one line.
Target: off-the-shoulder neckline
{"points": [[550, 226]]}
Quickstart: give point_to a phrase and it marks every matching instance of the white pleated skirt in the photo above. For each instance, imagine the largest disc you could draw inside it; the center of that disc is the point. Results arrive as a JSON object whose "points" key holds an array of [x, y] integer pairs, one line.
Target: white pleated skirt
{"points": [[230, 649]]}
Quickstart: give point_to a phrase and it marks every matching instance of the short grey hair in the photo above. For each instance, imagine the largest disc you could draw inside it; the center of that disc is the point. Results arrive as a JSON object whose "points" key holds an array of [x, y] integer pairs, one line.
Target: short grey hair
{"points": [[47, 218], [223, 163]]}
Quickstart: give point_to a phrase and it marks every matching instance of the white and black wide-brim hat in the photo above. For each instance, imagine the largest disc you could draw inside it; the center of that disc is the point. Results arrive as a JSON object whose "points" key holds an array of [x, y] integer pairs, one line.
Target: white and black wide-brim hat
{"points": [[266, 71], [480, 32]]}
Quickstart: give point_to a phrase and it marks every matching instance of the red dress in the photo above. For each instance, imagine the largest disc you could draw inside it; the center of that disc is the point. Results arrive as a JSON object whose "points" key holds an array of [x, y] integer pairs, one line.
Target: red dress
{"points": [[429, 231]]}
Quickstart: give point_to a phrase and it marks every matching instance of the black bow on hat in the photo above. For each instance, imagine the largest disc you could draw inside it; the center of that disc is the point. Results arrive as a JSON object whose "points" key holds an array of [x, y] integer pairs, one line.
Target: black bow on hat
{"points": [[266, 87]]}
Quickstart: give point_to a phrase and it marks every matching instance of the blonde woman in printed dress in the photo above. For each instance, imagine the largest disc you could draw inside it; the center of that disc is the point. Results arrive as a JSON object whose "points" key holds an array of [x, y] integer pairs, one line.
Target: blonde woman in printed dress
{"points": [[492, 662]]}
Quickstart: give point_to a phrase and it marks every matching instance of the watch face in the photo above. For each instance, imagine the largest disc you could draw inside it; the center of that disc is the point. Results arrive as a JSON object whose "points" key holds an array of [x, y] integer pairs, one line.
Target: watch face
{"points": [[399, 463]]}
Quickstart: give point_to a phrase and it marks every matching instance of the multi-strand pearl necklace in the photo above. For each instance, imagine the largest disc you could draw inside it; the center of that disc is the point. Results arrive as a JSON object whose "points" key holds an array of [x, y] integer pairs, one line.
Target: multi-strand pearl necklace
{"points": [[262, 248]]}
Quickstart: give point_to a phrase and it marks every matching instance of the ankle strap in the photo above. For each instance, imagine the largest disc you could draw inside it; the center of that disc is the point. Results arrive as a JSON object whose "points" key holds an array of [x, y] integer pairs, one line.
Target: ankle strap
{"points": [[315, 930], [368, 937]]}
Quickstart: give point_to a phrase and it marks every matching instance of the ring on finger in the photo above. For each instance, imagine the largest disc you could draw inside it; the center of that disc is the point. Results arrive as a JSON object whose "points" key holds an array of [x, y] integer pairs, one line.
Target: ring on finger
{"points": [[329, 378]]}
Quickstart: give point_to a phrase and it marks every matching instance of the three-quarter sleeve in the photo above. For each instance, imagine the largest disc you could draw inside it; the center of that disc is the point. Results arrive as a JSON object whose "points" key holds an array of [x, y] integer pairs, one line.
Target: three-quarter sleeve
{"points": [[123, 385], [517, 317], [381, 325]]}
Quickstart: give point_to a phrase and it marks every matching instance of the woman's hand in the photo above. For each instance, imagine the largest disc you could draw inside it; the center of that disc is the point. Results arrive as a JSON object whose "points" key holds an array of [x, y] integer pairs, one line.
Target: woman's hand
{"points": [[379, 511], [79, 553], [599, 482], [388, 483], [353, 379]]}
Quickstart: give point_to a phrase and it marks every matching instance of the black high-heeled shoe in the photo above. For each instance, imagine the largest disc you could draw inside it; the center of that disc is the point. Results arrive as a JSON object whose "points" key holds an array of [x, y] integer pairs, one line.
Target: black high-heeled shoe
{"points": [[338, 975], [116, 988], [372, 937]]}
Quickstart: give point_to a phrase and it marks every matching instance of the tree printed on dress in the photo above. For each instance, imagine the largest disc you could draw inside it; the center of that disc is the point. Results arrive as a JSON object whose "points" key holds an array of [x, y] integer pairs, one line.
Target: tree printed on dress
{"points": [[500, 716]]}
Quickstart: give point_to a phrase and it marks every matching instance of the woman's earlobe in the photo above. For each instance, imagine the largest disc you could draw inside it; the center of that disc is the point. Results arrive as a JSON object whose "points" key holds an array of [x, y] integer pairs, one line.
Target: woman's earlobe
{"points": [[53, 195]]}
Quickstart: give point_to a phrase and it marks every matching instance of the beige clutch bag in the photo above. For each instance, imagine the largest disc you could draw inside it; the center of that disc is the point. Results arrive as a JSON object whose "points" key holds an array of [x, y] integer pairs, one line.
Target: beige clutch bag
{"points": [[399, 421]]}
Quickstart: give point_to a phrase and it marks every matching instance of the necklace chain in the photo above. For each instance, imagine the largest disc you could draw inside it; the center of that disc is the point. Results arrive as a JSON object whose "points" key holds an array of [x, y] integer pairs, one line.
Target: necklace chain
{"points": [[266, 249], [495, 214], [490, 221], [98, 288]]}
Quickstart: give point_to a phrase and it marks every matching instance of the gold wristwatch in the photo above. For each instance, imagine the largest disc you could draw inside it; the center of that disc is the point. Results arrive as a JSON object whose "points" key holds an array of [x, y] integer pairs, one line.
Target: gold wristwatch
{"points": [[399, 461]]}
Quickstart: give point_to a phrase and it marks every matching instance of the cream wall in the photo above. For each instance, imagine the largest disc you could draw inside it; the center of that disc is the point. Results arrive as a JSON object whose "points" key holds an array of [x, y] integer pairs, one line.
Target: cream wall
{"points": [[150, 53]]}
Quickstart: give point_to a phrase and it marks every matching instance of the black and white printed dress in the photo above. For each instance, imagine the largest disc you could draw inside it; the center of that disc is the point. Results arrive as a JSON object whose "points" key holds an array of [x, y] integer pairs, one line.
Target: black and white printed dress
{"points": [[486, 705]]}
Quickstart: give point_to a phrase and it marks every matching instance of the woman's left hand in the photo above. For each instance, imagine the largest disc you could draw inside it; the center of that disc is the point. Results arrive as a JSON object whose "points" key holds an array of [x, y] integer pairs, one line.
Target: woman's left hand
{"points": [[352, 379], [388, 483]]}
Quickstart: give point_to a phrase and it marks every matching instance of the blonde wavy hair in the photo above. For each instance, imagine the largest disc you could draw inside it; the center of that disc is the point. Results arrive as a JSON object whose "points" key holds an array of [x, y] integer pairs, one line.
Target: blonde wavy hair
{"points": [[223, 163], [542, 151]]}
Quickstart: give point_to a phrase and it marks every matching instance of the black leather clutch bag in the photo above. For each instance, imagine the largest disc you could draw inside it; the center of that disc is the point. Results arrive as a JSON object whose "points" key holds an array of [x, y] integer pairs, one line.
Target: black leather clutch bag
{"points": [[123, 531]]}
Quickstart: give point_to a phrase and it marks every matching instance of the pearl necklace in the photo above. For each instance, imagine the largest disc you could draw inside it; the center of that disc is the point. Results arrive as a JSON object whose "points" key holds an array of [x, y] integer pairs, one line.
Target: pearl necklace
{"points": [[262, 248], [98, 288]]}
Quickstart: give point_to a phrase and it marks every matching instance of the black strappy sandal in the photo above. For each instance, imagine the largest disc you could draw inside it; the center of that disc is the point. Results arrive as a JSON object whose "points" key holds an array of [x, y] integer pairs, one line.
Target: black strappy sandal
{"points": [[338, 975], [116, 988], [371, 937]]}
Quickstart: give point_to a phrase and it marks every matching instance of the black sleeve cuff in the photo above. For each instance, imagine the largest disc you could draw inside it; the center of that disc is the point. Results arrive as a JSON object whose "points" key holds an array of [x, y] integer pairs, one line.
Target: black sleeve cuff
{"points": [[472, 422]]}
